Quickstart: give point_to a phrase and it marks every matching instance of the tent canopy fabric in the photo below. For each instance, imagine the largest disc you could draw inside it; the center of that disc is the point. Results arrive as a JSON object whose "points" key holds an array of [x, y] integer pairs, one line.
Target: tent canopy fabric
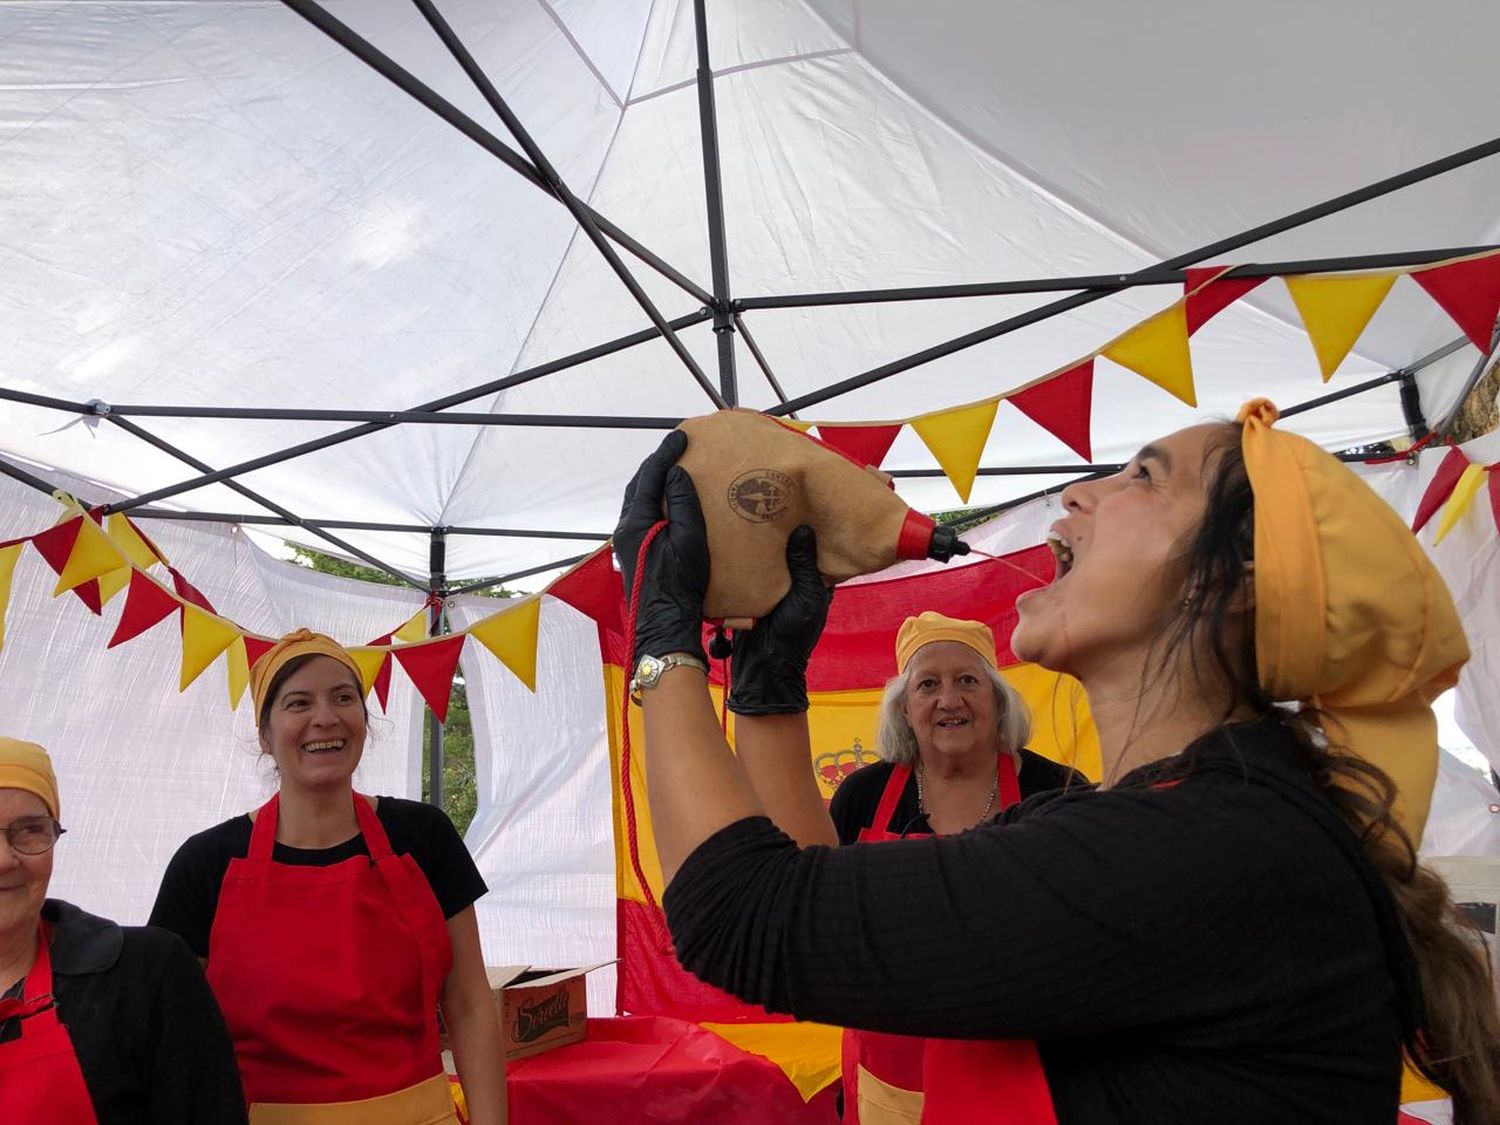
{"points": [[213, 204]]}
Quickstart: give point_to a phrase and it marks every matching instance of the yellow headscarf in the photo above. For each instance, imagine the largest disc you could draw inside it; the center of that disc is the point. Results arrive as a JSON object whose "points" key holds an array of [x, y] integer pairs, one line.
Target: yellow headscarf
{"points": [[25, 765], [929, 627], [1350, 613], [302, 642]]}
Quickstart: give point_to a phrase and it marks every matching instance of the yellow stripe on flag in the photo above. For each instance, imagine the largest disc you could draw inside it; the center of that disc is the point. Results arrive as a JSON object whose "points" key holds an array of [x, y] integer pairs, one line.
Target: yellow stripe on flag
{"points": [[1459, 501], [810, 1054], [369, 661], [1335, 311], [238, 671], [1157, 350], [8, 557], [93, 555], [511, 636], [957, 438], [204, 636]]}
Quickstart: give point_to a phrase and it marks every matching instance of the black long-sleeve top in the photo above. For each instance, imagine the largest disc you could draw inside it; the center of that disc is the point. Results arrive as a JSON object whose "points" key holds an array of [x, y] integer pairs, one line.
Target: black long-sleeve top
{"points": [[1215, 949], [150, 1041]]}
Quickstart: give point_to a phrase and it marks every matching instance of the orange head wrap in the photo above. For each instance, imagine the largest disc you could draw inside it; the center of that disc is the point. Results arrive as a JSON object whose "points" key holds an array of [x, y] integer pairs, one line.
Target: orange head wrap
{"points": [[25, 765], [302, 642], [1350, 614], [928, 628]]}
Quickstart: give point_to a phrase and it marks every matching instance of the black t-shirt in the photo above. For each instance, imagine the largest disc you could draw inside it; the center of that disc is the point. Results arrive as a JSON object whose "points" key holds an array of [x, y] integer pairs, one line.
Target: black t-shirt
{"points": [[189, 893], [856, 799], [147, 1033], [1214, 950]]}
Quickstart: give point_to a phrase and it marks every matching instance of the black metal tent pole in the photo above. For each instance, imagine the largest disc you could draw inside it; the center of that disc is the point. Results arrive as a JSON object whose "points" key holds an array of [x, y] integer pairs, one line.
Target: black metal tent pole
{"points": [[576, 207], [513, 575], [1076, 300], [387, 68], [713, 190], [760, 359], [541, 370], [437, 559], [270, 505], [1111, 282]]}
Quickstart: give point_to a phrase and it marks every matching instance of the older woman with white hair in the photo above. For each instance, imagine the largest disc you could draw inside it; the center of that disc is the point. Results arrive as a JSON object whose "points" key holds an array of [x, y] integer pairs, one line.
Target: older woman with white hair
{"points": [[951, 741]]}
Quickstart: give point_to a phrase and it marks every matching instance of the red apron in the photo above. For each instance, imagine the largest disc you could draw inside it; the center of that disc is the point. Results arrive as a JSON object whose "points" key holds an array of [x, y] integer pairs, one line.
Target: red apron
{"points": [[329, 979], [904, 1080], [39, 1075]]}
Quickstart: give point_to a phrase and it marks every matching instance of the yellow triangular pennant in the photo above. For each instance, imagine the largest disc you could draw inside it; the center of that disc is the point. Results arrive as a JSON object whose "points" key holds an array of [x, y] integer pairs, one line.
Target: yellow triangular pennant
{"points": [[797, 424], [1157, 350], [1459, 501], [204, 636], [1335, 311], [414, 630], [369, 661], [112, 583], [129, 541], [957, 439], [93, 555], [239, 672], [8, 557], [511, 636]]}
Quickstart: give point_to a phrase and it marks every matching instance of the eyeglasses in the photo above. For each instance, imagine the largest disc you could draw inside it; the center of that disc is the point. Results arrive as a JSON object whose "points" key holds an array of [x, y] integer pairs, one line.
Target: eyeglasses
{"points": [[32, 835]]}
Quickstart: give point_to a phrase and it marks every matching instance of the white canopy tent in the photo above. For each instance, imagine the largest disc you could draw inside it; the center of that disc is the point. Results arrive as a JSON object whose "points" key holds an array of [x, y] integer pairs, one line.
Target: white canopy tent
{"points": [[213, 206]]}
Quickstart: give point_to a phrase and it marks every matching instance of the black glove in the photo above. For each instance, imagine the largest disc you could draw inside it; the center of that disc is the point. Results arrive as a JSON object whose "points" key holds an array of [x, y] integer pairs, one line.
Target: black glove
{"points": [[670, 615], [768, 675]]}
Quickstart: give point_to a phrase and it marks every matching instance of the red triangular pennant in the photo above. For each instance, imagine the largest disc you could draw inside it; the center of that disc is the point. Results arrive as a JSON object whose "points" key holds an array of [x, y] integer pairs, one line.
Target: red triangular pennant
{"points": [[1212, 299], [1443, 481], [867, 445], [593, 588], [188, 592], [1469, 292], [146, 604], [56, 546], [382, 684], [1494, 487], [255, 648], [1063, 407], [431, 666]]}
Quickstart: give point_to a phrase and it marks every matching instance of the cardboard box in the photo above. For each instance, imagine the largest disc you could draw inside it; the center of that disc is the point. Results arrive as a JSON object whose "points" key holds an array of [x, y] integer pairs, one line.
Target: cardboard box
{"points": [[539, 1008]]}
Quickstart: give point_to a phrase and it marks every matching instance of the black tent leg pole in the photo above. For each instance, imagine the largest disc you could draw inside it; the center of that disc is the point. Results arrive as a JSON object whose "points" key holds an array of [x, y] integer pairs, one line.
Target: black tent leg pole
{"points": [[713, 190], [438, 564]]}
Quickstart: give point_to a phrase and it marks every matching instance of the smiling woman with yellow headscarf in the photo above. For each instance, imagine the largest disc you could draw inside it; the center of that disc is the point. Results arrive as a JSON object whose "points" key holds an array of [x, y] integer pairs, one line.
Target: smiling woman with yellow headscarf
{"points": [[98, 1022], [1233, 926]]}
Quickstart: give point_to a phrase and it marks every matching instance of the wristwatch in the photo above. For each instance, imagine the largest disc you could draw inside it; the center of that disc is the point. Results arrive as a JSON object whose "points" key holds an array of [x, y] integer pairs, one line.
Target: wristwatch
{"points": [[649, 671]]}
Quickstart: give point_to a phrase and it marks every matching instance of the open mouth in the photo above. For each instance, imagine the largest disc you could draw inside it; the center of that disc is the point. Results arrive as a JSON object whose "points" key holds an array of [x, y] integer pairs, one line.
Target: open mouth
{"points": [[951, 724], [331, 746], [1062, 553]]}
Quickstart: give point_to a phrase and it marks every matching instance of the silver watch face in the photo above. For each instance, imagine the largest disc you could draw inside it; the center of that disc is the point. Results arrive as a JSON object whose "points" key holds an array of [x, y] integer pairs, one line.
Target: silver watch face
{"points": [[648, 670]]}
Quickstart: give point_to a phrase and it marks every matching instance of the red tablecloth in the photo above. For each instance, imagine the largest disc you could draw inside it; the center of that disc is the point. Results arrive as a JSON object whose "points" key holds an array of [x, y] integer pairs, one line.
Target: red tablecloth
{"points": [[650, 1068]]}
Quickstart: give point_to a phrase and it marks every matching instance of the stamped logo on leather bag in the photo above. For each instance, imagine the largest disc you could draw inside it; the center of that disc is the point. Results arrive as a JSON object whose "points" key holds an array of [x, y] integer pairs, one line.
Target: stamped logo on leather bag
{"points": [[537, 1017], [761, 495]]}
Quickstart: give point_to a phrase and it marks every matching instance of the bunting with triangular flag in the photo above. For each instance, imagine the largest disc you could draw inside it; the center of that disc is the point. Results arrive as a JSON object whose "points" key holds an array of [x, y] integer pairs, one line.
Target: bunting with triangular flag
{"points": [[9, 553], [1441, 486], [511, 636], [132, 541], [91, 555], [55, 545], [1157, 350], [1063, 406], [112, 583], [1469, 292], [204, 637], [146, 604], [957, 439], [867, 445], [188, 592], [414, 629], [1204, 298], [256, 647], [1460, 500], [430, 666], [1335, 311], [237, 669], [370, 661], [593, 588]]}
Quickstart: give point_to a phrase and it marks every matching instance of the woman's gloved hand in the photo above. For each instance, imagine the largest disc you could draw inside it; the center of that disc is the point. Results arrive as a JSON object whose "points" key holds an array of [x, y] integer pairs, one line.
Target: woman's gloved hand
{"points": [[675, 579], [768, 675]]}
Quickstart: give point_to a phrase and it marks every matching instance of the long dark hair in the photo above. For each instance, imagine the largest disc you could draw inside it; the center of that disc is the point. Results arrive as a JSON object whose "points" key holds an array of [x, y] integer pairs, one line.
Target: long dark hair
{"points": [[283, 674], [1457, 1045]]}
